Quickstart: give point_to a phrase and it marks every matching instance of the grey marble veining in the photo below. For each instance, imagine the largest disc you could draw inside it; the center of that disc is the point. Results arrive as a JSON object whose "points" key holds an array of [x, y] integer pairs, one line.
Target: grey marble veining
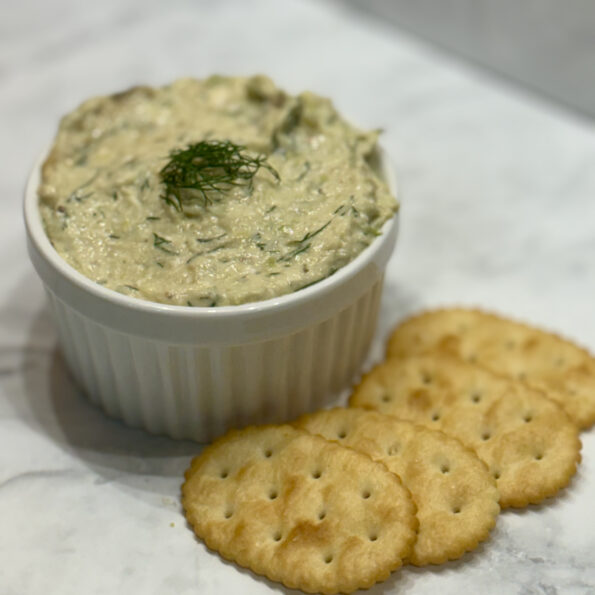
{"points": [[498, 210]]}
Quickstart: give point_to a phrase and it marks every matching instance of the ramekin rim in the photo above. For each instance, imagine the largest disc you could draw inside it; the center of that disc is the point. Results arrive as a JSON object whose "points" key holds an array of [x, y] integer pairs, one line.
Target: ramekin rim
{"points": [[46, 250]]}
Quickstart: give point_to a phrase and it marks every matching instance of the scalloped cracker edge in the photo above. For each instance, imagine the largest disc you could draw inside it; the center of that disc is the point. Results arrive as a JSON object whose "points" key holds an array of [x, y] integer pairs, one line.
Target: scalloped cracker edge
{"points": [[456, 496], [540, 359], [527, 441]]}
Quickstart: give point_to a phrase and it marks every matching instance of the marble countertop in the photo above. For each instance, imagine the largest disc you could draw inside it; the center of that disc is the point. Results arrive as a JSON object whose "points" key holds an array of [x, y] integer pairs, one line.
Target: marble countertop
{"points": [[498, 194]]}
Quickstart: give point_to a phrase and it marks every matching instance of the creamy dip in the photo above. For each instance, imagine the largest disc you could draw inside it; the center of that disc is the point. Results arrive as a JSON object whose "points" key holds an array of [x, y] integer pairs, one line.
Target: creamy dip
{"points": [[103, 203]]}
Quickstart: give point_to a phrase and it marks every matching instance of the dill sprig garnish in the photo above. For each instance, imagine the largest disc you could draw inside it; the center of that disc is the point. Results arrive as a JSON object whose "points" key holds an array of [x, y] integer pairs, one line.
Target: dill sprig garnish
{"points": [[206, 168]]}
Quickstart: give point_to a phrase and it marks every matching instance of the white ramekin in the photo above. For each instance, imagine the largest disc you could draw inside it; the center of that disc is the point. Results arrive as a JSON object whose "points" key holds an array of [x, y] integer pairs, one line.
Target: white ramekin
{"points": [[196, 372]]}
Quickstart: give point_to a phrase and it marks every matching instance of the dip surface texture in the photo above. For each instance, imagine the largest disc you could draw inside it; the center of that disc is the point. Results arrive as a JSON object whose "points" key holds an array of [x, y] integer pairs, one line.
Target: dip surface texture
{"points": [[103, 208]]}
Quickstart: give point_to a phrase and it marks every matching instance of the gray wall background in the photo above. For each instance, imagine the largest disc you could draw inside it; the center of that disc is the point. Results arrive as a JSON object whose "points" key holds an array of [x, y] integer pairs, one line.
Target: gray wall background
{"points": [[546, 45]]}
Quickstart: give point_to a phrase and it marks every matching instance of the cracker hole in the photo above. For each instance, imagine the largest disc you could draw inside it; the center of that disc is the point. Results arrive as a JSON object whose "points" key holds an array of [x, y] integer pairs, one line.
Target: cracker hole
{"points": [[385, 398], [456, 509], [435, 416], [322, 515], [328, 558], [341, 434], [224, 474], [527, 417], [496, 474], [373, 537], [228, 513], [317, 474], [268, 453], [445, 468], [426, 378], [273, 494], [392, 450], [539, 456], [366, 494], [486, 436], [476, 397], [277, 536]]}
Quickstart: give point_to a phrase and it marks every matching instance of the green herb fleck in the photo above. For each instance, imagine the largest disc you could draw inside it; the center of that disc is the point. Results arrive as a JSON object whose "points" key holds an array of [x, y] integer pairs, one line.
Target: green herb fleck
{"points": [[305, 172], [161, 244], [257, 237], [331, 272], [293, 253], [371, 231], [311, 234], [74, 195], [205, 240], [282, 134], [209, 300], [81, 197], [82, 160], [151, 218], [201, 252], [304, 244], [216, 248], [195, 255]]}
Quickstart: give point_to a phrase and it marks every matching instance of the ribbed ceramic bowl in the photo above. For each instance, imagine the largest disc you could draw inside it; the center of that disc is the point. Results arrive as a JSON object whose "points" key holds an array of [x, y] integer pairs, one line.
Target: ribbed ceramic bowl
{"points": [[196, 372]]}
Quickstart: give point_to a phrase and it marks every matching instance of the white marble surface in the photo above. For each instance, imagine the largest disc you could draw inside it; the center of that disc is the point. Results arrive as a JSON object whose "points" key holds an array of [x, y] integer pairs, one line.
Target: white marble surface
{"points": [[498, 210]]}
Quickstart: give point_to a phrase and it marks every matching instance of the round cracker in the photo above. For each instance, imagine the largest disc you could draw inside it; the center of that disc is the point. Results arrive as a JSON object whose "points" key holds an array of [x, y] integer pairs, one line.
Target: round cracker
{"points": [[299, 509], [528, 442], [542, 360], [455, 495]]}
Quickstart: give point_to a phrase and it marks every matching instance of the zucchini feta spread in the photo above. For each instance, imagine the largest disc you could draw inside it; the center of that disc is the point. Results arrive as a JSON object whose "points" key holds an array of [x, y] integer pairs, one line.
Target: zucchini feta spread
{"points": [[211, 192]]}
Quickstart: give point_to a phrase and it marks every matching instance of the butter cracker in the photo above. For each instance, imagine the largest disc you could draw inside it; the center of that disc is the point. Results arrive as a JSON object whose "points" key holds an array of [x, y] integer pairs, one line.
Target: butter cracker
{"points": [[299, 509], [528, 442]]}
